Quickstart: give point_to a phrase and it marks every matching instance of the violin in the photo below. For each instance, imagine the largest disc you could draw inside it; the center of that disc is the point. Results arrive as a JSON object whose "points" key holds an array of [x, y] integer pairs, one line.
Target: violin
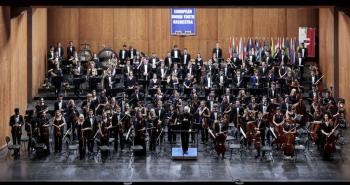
{"points": [[329, 147]]}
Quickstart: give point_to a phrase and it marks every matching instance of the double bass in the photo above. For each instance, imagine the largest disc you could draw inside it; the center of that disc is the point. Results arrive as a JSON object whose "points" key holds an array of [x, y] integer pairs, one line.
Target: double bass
{"points": [[315, 127], [288, 144], [329, 147]]}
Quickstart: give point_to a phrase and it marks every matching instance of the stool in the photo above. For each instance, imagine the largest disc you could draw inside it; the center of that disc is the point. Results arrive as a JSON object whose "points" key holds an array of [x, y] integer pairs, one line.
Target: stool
{"points": [[24, 142], [104, 148], [299, 148], [235, 147]]}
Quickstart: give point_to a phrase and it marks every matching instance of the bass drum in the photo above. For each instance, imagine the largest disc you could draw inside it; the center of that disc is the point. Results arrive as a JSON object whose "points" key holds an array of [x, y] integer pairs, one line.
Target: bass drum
{"points": [[85, 55], [105, 54]]}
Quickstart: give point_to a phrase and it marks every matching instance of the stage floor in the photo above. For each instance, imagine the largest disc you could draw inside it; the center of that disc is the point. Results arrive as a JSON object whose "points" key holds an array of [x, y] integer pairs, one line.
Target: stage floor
{"points": [[162, 168]]}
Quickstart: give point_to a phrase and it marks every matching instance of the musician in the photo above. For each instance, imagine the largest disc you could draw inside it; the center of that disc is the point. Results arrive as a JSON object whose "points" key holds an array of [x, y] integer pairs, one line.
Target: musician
{"points": [[154, 82], [51, 58], [130, 81], [71, 118], [176, 71], [96, 60], [59, 51], [43, 124], [173, 81], [314, 79], [137, 96], [154, 61], [215, 115], [238, 80], [108, 81], [227, 69], [237, 112], [242, 96], [56, 78], [264, 105], [217, 51], [203, 113], [272, 92], [31, 129], [211, 99], [222, 81], [210, 67], [16, 122], [70, 50], [81, 136], [251, 59], [263, 129], [303, 51], [90, 124], [104, 126], [145, 69], [169, 61], [228, 96], [140, 128], [176, 54], [58, 124], [88, 104], [155, 127], [162, 71], [188, 84], [267, 58], [208, 81], [123, 54], [189, 70], [284, 56], [132, 54], [185, 58], [122, 102], [235, 59], [186, 118], [172, 116], [264, 69], [60, 104], [255, 81], [40, 107]]}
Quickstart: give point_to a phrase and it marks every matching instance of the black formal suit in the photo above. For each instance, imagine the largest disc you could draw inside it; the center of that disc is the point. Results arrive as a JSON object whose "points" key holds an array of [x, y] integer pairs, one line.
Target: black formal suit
{"points": [[251, 58], [209, 82], [127, 69], [129, 83], [284, 58], [238, 82], [300, 50], [217, 52], [118, 132], [268, 60], [60, 52], [190, 70], [264, 71], [16, 138], [178, 57], [272, 93], [63, 106], [235, 114], [70, 52], [148, 71], [228, 71], [108, 82], [169, 62], [132, 54], [85, 107], [136, 97], [186, 124], [185, 60], [211, 68], [155, 60], [159, 72], [89, 134], [236, 61], [122, 57]]}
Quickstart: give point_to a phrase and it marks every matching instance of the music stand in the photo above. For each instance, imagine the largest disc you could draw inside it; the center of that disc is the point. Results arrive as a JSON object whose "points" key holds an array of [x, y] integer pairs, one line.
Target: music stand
{"points": [[114, 91]]}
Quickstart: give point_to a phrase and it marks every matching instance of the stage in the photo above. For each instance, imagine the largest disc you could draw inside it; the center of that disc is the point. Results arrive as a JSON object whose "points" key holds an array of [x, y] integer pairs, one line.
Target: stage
{"points": [[162, 168]]}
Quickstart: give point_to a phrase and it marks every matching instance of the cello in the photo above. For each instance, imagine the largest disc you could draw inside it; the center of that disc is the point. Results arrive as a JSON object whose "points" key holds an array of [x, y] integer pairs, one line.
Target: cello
{"points": [[250, 132], [288, 145], [314, 131], [329, 147]]}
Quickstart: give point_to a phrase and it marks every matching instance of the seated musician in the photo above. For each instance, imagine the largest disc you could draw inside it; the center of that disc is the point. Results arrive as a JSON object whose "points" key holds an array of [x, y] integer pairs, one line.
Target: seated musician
{"points": [[130, 81], [238, 80], [188, 82], [159, 95], [264, 69], [137, 96], [51, 58], [154, 83], [242, 96], [293, 97], [255, 81]]}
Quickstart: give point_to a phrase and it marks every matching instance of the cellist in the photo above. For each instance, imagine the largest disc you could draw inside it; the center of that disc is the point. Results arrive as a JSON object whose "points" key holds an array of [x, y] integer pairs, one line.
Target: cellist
{"points": [[327, 128], [289, 130]]}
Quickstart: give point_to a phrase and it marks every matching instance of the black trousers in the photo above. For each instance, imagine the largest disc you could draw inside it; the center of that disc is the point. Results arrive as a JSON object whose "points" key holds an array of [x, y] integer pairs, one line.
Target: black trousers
{"points": [[90, 144], [16, 139], [204, 134], [118, 135], [171, 135], [82, 149], [184, 141]]}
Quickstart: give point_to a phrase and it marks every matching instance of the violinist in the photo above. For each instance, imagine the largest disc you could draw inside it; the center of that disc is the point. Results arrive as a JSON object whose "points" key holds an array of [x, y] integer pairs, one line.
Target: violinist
{"points": [[220, 128], [203, 113], [104, 126], [140, 128], [172, 124], [58, 123]]}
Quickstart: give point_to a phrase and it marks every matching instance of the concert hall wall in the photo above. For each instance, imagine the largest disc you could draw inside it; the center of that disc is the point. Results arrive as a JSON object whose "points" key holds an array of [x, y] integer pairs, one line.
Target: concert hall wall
{"points": [[148, 29], [13, 70]]}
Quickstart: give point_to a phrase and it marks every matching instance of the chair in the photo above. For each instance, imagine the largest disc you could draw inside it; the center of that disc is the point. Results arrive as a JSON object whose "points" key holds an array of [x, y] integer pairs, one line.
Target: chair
{"points": [[11, 146], [268, 150], [300, 146], [24, 141], [38, 147], [72, 148], [104, 148], [235, 147]]}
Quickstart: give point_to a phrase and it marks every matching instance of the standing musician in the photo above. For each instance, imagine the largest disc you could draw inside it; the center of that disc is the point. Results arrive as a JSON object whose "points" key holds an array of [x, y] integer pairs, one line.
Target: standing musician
{"points": [[326, 132], [108, 81], [123, 54], [80, 132], [203, 114], [154, 61], [55, 74], [117, 122], [132, 54], [90, 127], [176, 54], [88, 104], [173, 114], [70, 50], [58, 124], [220, 128], [103, 130], [140, 128], [43, 124], [130, 81], [155, 126], [217, 51], [16, 122], [71, 118], [60, 104], [289, 130], [186, 118]]}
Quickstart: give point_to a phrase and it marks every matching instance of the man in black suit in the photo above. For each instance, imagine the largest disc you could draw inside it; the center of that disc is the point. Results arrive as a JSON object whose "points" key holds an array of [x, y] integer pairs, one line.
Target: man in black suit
{"points": [[108, 81], [123, 54], [186, 118], [132, 54], [162, 72], [154, 61], [237, 112], [264, 69], [238, 80], [51, 58], [91, 123], [56, 78], [186, 58], [272, 92], [146, 70], [59, 51], [303, 51], [60, 104], [137, 96], [16, 123], [217, 51], [176, 54], [169, 62], [70, 50], [88, 104]]}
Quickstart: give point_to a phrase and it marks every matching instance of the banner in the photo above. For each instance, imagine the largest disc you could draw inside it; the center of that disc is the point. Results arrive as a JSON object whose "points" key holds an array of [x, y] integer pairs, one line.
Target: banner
{"points": [[307, 36], [183, 21]]}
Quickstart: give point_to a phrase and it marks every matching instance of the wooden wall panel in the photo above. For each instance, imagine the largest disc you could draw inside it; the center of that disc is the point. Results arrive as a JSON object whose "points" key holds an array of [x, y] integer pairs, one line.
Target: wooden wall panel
{"points": [[39, 48], [344, 58], [326, 49], [148, 29], [13, 71]]}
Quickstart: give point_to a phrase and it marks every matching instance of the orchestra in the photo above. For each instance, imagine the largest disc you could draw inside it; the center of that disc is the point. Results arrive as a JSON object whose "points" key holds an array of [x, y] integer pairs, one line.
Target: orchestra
{"points": [[128, 92]]}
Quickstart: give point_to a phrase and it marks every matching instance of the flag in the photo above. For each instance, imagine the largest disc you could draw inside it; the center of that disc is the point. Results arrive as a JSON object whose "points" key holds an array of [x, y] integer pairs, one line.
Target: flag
{"points": [[250, 46], [272, 48], [241, 53], [286, 47], [257, 50], [233, 46], [307, 36], [292, 51]]}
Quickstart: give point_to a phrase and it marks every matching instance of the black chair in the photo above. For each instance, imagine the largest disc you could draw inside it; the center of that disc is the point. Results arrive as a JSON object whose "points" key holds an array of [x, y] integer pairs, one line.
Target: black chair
{"points": [[11, 147]]}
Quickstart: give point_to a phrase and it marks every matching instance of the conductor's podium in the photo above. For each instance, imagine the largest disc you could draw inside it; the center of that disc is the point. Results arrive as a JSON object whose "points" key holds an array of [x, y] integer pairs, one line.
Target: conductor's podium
{"points": [[177, 154]]}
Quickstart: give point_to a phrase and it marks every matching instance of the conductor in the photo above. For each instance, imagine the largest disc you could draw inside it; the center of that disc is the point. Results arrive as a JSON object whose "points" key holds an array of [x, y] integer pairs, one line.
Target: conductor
{"points": [[186, 118]]}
